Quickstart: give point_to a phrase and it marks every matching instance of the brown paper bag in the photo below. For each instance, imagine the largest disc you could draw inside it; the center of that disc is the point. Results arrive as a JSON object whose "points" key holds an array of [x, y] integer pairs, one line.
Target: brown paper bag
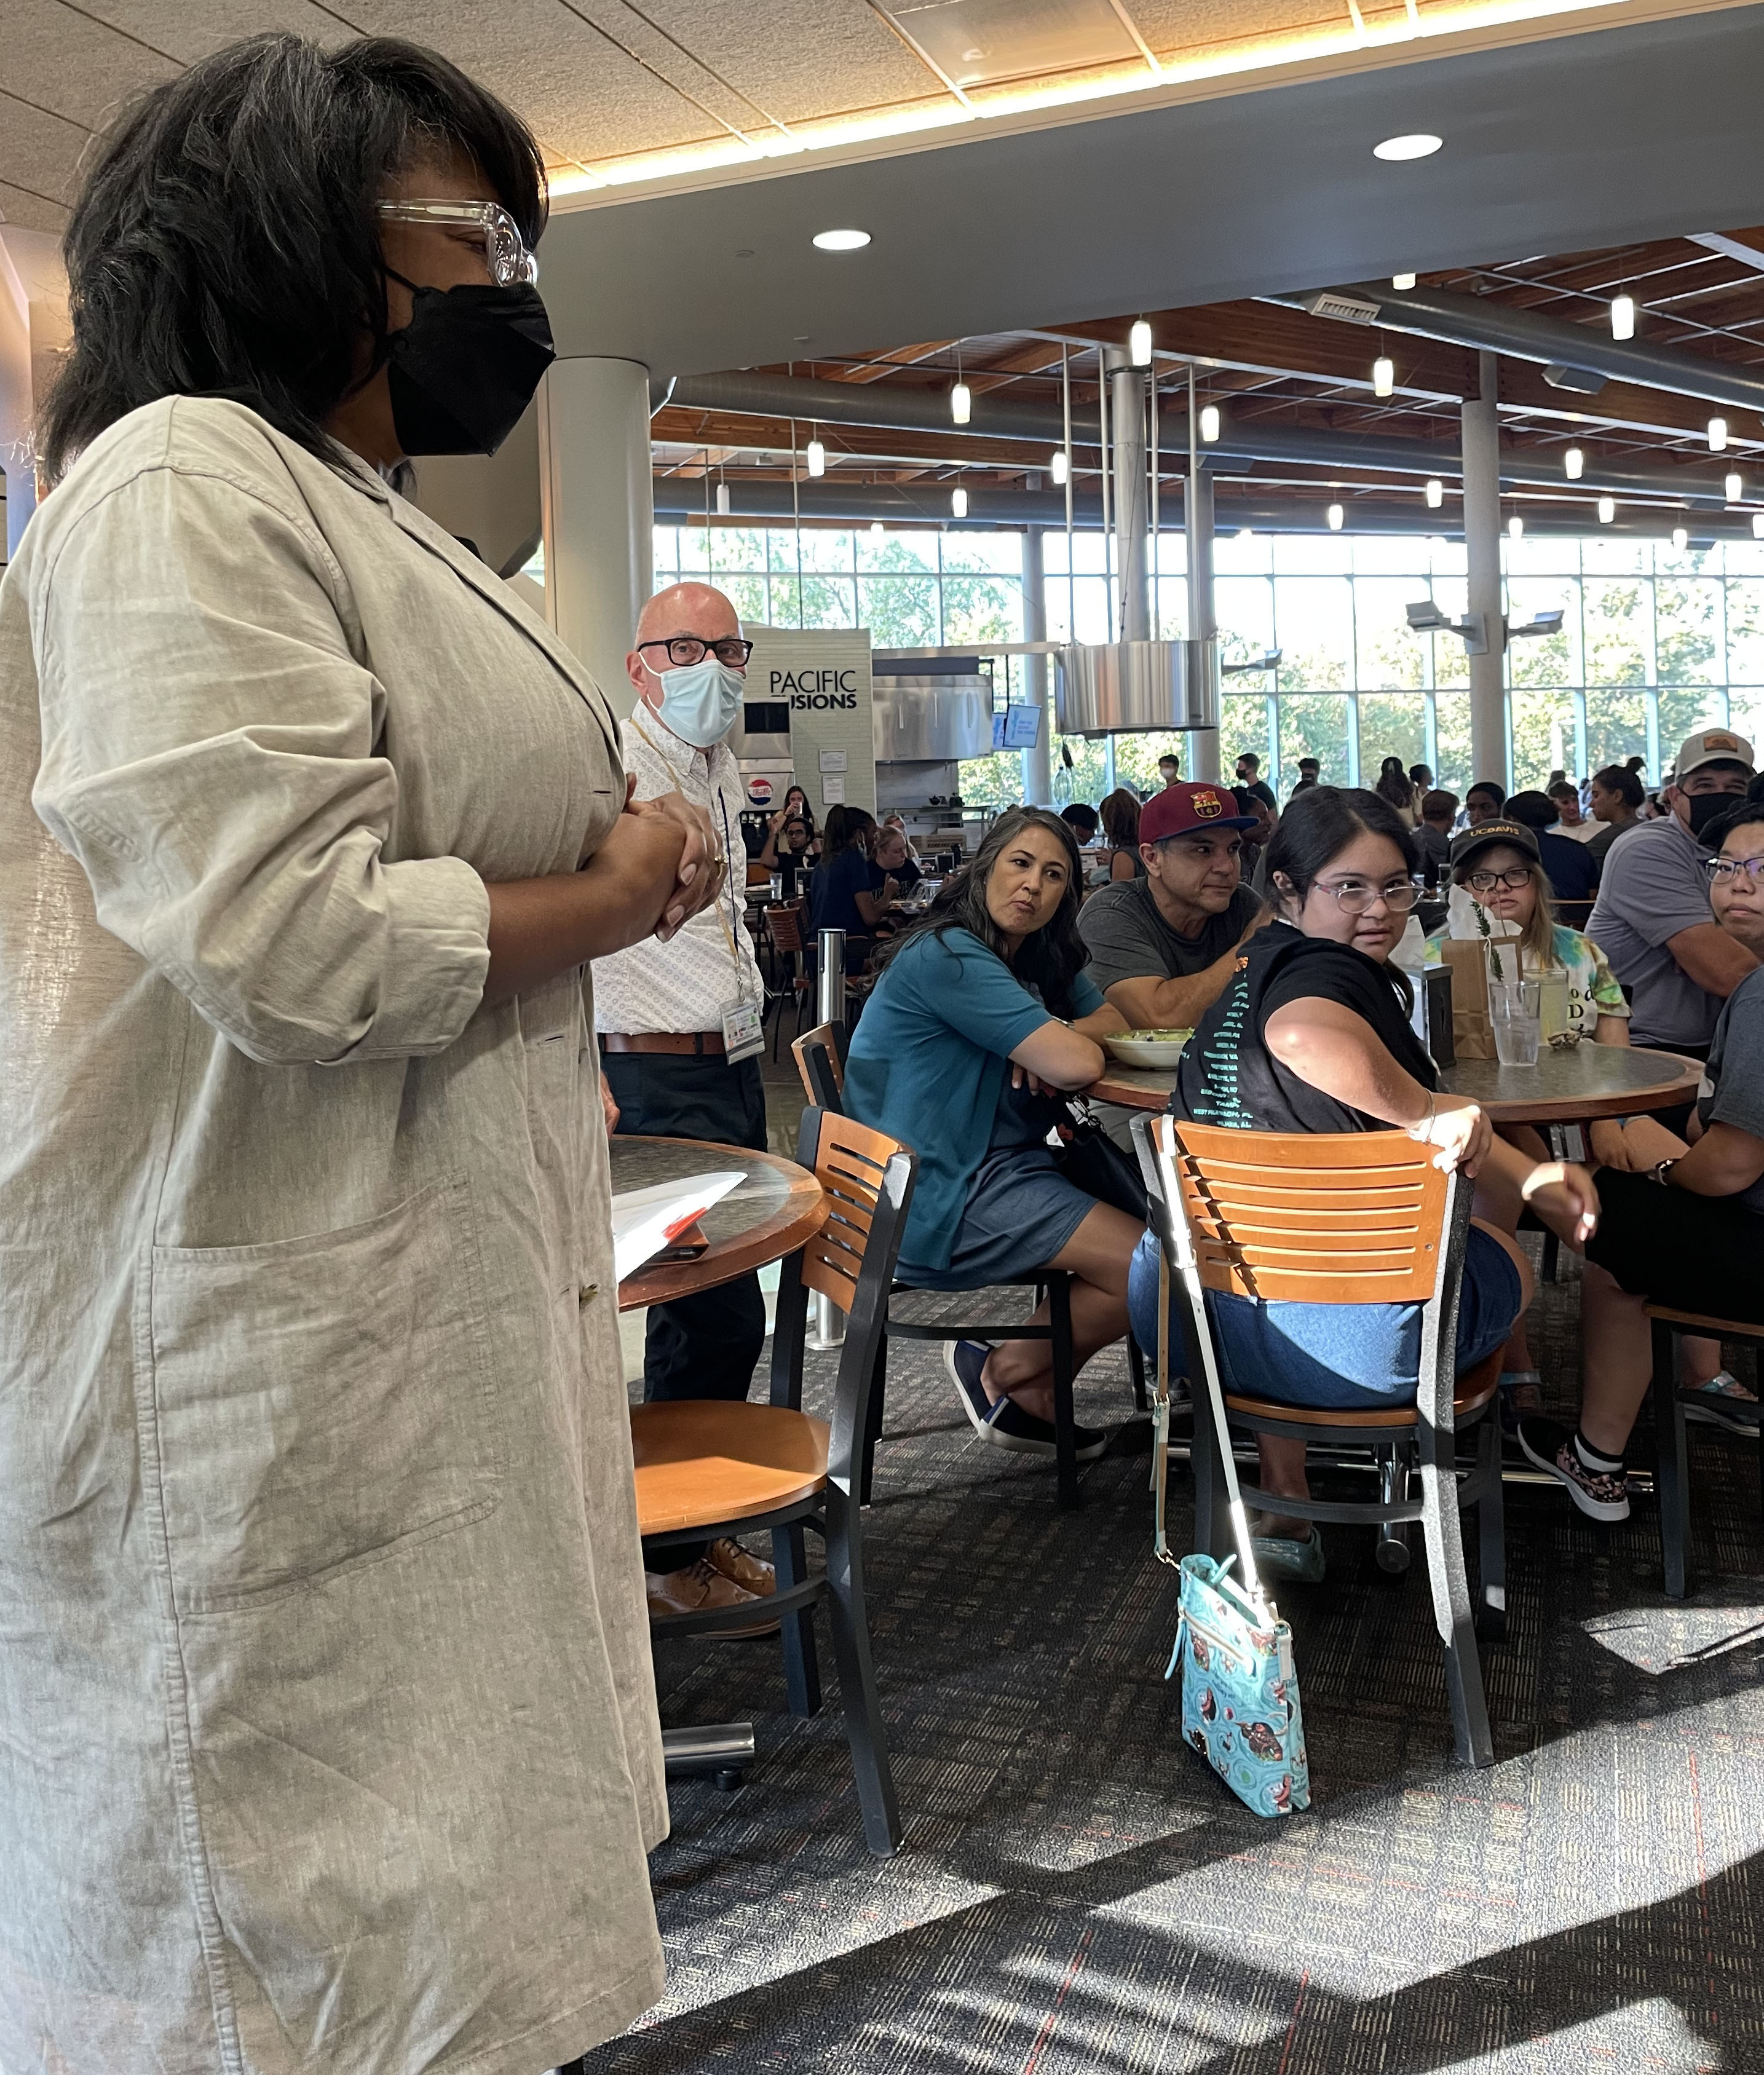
{"points": [[1473, 1034]]}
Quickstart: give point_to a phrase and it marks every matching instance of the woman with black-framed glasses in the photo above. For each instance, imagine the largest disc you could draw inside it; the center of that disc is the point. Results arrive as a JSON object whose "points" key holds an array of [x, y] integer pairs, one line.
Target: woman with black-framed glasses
{"points": [[325, 1698], [1313, 1034]]}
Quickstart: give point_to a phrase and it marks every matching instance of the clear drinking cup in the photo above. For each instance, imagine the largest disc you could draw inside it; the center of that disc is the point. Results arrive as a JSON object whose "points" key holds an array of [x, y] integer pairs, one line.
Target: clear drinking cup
{"points": [[1515, 1010]]}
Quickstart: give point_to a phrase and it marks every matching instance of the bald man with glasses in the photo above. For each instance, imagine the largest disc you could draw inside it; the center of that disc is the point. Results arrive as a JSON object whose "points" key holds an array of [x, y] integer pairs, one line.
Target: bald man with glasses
{"points": [[679, 1023]]}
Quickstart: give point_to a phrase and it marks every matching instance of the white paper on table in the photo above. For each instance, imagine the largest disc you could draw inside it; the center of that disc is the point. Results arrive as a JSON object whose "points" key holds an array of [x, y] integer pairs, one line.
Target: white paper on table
{"points": [[645, 1220]]}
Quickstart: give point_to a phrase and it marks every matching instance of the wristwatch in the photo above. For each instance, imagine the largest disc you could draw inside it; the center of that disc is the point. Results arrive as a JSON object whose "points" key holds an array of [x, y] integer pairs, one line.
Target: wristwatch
{"points": [[1659, 1173]]}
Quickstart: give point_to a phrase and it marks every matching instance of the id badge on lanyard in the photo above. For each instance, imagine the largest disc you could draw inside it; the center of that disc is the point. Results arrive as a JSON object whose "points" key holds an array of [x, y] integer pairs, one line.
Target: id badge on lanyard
{"points": [[743, 1021]]}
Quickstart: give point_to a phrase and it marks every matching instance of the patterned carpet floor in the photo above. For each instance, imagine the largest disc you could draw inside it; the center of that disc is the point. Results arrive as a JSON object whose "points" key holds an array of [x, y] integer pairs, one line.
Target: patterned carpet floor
{"points": [[1078, 1892]]}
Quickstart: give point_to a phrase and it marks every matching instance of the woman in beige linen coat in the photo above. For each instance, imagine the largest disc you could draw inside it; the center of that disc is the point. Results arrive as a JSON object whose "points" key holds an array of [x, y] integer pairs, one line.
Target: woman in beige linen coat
{"points": [[328, 1737]]}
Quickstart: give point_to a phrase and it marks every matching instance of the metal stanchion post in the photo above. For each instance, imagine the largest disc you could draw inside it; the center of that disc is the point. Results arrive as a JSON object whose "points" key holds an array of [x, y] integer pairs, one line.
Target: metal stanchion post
{"points": [[829, 1328]]}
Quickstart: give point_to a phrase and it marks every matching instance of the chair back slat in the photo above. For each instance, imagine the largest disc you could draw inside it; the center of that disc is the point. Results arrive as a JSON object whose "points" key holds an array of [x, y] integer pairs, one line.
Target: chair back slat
{"points": [[851, 1162], [783, 919], [1344, 1220], [820, 1060]]}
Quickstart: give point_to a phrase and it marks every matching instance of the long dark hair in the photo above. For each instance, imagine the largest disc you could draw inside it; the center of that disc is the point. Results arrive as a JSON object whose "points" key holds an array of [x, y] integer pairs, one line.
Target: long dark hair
{"points": [[804, 813], [1120, 819], [225, 242], [1394, 783], [846, 826], [1049, 959]]}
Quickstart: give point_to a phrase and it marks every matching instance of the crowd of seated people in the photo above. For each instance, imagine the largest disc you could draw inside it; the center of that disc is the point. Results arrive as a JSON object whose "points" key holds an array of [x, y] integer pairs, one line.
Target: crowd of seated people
{"points": [[988, 1008]]}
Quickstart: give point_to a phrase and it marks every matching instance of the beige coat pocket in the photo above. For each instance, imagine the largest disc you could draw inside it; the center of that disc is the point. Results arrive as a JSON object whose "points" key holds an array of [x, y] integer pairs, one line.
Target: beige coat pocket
{"points": [[318, 1402]]}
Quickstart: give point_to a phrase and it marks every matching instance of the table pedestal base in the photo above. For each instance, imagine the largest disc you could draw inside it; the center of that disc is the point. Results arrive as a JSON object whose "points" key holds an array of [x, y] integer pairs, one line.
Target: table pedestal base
{"points": [[724, 1749]]}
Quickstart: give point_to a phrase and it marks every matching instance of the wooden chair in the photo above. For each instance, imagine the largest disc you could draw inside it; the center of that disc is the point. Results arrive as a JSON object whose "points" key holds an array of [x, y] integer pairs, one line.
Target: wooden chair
{"points": [[1361, 1218], [1672, 1472], [784, 926], [820, 1057], [707, 1468]]}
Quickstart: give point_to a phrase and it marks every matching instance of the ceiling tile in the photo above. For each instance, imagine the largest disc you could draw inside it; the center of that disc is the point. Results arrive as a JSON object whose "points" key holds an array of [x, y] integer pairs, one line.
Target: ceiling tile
{"points": [[194, 28], [584, 98], [39, 152], [62, 59], [1191, 28], [33, 211], [800, 59]]}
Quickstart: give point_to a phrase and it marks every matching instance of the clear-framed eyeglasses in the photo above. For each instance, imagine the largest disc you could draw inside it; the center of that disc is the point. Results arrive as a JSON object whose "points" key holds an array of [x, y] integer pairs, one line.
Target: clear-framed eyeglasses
{"points": [[506, 253], [1514, 876], [1354, 897], [1726, 871]]}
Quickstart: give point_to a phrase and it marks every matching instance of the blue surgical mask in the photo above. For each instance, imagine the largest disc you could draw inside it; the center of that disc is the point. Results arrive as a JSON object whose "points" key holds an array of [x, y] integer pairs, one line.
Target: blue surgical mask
{"points": [[700, 701]]}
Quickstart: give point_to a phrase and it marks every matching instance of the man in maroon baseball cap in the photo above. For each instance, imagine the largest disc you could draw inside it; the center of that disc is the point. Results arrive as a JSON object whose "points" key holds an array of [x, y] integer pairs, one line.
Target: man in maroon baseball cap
{"points": [[1162, 947]]}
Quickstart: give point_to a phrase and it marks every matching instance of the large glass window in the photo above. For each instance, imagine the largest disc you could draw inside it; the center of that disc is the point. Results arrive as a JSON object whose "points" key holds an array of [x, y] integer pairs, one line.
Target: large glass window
{"points": [[1653, 642]]}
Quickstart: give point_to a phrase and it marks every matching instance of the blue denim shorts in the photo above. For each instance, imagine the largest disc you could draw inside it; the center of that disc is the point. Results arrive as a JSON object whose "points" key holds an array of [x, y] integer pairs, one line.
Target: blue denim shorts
{"points": [[1335, 1357]]}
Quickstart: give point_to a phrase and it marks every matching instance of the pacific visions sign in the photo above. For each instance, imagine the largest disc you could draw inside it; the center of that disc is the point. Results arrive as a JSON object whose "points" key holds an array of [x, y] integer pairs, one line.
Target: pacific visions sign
{"points": [[815, 691]]}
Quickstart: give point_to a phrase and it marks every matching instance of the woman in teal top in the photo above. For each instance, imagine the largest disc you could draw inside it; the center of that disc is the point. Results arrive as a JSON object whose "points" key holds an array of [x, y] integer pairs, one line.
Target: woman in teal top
{"points": [[979, 1012]]}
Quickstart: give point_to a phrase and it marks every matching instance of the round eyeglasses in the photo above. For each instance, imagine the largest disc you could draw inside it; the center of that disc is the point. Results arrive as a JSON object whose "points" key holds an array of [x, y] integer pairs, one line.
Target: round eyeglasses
{"points": [[1356, 897], [685, 649], [506, 253], [1726, 871], [1485, 882]]}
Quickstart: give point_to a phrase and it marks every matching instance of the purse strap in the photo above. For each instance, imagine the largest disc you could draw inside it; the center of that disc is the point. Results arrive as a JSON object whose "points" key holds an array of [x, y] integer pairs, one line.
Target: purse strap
{"points": [[1176, 1220]]}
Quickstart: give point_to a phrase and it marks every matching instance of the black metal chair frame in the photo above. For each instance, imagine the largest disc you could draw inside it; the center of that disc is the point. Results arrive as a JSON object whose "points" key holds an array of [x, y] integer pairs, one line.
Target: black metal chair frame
{"points": [[1055, 1282], [833, 1513], [1672, 1442], [1429, 1447]]}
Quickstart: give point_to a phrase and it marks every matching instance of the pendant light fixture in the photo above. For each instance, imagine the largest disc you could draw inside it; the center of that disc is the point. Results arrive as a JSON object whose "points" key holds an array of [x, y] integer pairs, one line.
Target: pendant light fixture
{"points": [[722, 500], [1383, 375], [1139, 344], [1436, 493], [1336, 517], [1717, 436], [1515, 528], [1403, 282], [1607, 510], [1681, 538], [817, 457], [960, 396], [1734, 488], [1209, 422], [958, 502], [1059, 467], [1623, 317], [1574, 464]]}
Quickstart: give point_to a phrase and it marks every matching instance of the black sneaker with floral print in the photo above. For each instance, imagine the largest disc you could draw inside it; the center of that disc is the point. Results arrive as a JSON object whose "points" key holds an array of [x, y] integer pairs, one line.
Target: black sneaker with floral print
{"points": [[1600, 1493]]}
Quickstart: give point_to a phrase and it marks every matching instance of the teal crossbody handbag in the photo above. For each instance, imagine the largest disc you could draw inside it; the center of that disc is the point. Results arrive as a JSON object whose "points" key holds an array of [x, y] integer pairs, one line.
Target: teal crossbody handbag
{"points": [[1240, 1706]]}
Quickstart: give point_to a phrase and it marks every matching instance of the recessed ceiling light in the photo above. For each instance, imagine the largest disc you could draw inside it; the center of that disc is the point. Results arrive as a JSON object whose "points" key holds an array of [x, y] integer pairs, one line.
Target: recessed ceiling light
{"points": [[841, 241], [1419, 145]]}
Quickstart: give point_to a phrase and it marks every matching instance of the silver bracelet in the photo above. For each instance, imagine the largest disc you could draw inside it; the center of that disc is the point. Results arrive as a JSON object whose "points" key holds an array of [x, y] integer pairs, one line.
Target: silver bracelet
{"points": [[1418, 1132]]}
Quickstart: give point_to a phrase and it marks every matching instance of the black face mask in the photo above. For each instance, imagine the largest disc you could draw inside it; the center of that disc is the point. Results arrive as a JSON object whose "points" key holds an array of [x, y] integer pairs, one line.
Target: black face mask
{"points": [[466, 367], [1707, 807]]}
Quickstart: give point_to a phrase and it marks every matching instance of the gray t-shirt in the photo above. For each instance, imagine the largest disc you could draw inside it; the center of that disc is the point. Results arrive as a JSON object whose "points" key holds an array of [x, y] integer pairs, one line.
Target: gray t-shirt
{"points": [[1127, 938], [1655, 885], [1733, 1087]]}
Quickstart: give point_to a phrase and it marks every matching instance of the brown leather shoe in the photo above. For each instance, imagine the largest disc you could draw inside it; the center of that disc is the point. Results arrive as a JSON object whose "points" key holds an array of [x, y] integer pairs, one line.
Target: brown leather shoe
{"points": [[697, 1589], [752, 1573]]}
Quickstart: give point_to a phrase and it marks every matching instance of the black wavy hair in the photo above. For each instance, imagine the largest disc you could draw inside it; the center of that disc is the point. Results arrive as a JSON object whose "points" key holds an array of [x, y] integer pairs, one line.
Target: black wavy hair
{"points": [[1743, 816], [1318, 826], [1049, 959], [225, 242]]}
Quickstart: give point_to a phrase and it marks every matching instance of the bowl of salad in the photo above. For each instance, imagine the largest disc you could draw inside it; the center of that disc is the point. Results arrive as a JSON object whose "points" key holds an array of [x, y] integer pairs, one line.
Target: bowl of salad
{"points": [[1149, 1048]]}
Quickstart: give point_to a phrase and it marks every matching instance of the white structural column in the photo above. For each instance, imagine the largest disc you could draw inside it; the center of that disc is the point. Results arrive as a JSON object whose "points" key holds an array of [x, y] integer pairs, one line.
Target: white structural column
{"points": [[597, 505], [15, 404], [1038, 762], [1203, 626], [1482, 547], [1127, 413]]}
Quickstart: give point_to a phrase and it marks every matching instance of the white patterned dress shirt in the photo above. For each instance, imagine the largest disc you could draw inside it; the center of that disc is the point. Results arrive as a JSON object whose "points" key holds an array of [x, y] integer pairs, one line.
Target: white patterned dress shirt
{"points": [[686, 984]]}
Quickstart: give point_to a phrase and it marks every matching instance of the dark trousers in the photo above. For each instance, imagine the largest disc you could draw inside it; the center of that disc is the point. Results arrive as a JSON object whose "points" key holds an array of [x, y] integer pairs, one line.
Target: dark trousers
{"points": [[1677, 1120], [705, 1346]]}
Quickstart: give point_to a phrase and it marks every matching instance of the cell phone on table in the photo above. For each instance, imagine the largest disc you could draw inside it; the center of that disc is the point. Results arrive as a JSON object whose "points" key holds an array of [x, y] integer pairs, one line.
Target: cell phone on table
{"points": [[688, 1244]]}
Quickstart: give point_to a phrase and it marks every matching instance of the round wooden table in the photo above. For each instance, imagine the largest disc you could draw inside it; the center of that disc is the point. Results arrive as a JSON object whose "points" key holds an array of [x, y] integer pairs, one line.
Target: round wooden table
{"points": [[1563, 1087], [777, 1208]]}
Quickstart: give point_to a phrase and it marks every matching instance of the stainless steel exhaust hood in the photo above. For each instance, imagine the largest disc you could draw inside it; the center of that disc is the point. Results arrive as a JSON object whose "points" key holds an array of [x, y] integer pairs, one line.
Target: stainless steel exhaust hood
{"points": [[1128, 687]]}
